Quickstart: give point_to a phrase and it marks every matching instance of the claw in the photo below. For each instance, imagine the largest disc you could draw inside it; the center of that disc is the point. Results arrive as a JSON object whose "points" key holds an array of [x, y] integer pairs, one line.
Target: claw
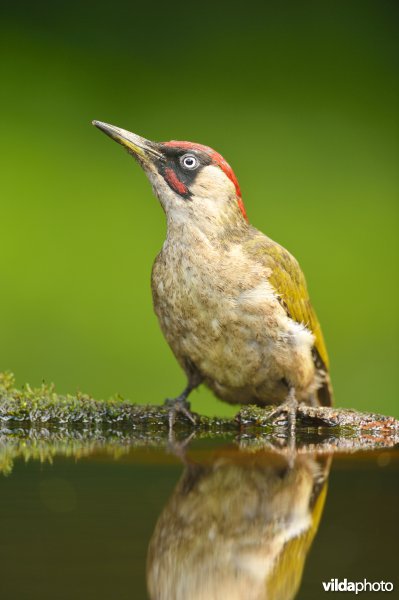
{"points": [[289, 407], [178, 405]]}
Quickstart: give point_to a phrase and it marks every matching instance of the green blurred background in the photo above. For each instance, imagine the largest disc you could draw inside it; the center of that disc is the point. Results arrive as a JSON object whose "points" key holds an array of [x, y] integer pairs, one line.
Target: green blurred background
{"points": [[300, 97]]}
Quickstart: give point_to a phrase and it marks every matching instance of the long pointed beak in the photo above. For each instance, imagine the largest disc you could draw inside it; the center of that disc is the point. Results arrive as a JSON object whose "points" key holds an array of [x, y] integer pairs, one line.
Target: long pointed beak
{"points": [[135, 144]]}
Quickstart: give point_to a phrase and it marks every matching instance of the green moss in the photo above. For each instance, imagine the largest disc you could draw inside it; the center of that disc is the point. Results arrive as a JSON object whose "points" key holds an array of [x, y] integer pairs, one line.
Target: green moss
{"points": [[38, 423], [43, 407]]}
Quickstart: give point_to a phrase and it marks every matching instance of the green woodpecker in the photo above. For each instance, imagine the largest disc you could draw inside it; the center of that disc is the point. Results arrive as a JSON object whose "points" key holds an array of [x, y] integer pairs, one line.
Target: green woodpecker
{"points": [[238, 527], [232, 303]]}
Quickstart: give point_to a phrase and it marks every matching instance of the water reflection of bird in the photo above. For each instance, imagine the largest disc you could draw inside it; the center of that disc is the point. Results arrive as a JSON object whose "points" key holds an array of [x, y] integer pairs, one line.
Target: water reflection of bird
{"points": [[238, 528]]}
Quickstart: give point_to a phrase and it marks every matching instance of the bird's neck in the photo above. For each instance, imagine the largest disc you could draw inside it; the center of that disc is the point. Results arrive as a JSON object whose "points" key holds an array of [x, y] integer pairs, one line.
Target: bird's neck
{"points": [[201, 231]]}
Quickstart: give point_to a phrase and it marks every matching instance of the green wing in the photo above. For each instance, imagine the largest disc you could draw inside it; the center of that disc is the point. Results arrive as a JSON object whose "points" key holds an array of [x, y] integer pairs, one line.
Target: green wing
{"points": [[289, 282]]}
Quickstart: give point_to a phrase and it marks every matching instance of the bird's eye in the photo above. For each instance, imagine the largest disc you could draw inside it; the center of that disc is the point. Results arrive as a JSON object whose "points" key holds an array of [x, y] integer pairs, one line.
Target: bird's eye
{"points": [[189, 161]]}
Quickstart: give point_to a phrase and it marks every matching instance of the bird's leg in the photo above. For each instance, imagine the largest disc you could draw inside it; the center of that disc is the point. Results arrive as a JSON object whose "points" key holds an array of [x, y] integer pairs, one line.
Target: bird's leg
{"points": [[289, 407], [180, 403], [292, 407]]}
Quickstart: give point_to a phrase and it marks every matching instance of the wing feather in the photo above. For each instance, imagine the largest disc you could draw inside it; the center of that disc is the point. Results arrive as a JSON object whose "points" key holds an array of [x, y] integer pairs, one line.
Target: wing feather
{"points": [[289, 283]]}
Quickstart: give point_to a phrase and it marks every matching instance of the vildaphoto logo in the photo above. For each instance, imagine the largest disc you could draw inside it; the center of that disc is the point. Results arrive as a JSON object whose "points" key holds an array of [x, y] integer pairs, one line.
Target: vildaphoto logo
{"points": [[335, 585]]}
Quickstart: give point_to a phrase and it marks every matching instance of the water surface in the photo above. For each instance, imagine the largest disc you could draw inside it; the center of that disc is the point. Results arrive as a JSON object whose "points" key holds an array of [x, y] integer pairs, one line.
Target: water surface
{"points": [[216, 521]]}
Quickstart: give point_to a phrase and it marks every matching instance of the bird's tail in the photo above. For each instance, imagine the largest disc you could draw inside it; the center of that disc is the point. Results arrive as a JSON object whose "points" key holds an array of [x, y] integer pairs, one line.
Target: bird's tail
{"points": [[325, 394]]}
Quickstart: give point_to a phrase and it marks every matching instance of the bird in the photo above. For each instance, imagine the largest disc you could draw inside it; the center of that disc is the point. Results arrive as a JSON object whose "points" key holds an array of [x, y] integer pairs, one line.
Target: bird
{"points": [[232, 303], [238, 525]]}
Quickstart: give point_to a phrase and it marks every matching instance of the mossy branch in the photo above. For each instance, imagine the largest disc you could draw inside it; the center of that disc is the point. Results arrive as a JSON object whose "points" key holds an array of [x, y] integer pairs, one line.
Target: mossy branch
{"points": [[43, 407], [38, 423]]}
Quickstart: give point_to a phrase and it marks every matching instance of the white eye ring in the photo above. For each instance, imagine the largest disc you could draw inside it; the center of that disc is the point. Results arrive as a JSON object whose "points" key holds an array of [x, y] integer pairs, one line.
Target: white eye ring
{"points": [[189, 161]]}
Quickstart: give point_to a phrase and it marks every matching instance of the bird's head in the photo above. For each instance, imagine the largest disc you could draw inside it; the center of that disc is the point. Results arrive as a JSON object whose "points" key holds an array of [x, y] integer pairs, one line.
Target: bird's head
{"points": [[192, 181]]}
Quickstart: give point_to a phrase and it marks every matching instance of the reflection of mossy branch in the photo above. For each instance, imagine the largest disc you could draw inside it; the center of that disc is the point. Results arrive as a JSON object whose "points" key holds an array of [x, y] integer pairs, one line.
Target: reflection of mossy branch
{"points": [[42, 406]]}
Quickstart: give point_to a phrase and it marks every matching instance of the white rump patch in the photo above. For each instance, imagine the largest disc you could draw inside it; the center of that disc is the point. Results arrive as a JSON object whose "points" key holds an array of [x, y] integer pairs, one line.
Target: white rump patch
{"points": [[300, 334]]}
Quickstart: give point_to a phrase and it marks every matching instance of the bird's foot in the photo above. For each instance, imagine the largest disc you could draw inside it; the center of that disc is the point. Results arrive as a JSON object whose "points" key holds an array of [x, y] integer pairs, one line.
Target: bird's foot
{"points": [[287, 410], [178, 405]]}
